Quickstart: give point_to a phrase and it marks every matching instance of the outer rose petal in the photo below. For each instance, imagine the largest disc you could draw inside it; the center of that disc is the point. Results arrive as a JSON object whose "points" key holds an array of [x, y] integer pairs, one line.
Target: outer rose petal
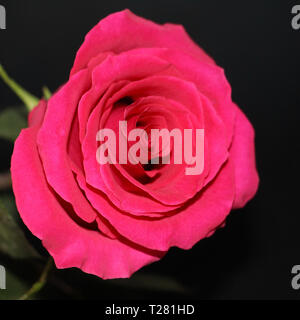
{"points": [[242, 154], [36, 116], [52, 142], [123, 31], [70, 244]]}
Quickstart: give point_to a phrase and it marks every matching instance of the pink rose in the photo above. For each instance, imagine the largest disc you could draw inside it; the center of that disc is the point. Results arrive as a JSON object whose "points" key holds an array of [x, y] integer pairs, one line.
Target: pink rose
{"points": [[112, 219]]}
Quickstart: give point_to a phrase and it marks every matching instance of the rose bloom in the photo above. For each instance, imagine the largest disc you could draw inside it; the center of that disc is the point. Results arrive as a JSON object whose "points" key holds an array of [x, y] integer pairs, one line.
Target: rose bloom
{"points": [[112, 219]]}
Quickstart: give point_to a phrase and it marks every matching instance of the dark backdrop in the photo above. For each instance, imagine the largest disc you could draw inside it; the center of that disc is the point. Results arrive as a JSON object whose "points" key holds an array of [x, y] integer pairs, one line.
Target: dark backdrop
{"points": [[254, 42]]}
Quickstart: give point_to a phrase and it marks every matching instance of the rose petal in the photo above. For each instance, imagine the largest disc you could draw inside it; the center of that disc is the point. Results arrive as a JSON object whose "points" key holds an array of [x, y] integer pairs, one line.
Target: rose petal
{"points": [[36, 116], [242, 154], [123, 31], [185, 227], [52, 142]]}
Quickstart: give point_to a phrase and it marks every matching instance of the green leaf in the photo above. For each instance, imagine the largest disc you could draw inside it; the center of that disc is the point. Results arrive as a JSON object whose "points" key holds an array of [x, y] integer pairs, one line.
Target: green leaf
{"points": [[12, 121], [28, 99], [12, 240]]}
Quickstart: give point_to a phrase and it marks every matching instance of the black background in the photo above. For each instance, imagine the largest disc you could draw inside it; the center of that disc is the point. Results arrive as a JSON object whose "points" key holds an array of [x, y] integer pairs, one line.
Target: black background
{"points": [[254, 42]]}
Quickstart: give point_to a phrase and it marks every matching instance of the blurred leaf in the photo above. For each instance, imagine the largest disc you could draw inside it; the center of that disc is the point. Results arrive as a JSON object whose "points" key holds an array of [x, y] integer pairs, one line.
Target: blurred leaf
{"points": [[46, 93], [12, 240], [12, 121], [5, 181], [15, 286], [20, 275], [28, 99], [7, 200]]}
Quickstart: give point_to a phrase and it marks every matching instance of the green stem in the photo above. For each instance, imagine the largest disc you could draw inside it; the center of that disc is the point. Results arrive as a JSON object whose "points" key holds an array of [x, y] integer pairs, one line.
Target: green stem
{"points": [[47, 93], [37, 286], [28, 99]]}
